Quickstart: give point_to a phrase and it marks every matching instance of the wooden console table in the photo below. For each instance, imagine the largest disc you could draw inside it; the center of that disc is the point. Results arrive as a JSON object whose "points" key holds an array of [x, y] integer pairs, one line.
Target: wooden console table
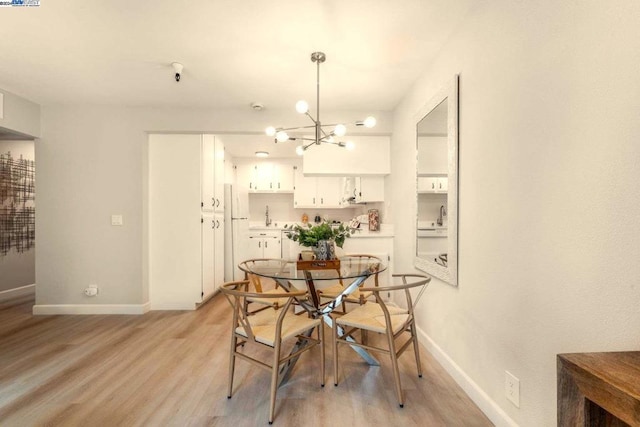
{"points": [[599, 389]]}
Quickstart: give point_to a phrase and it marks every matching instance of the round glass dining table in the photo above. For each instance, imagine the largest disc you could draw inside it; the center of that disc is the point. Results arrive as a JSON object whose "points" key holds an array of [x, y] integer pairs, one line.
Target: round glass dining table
{"points": [[350, 271]]}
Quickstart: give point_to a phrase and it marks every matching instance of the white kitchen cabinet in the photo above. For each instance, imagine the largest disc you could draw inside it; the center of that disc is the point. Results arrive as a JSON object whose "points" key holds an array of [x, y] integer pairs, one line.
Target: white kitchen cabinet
{"points": [[283, 177], [370, 157], [212, 167], [433, 184], [317, 192], [218, 251], [184, 254], [208, 255], [264, 244], [267, 176], [368, 189]]}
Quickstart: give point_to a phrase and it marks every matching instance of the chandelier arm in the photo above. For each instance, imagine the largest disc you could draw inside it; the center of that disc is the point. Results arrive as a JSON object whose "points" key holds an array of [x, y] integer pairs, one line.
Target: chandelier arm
{"points": [[302, 139], [297, 127]]}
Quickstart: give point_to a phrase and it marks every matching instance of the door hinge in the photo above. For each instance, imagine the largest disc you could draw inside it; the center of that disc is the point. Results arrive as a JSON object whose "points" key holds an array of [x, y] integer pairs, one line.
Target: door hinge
{"points": [[202, 294]]}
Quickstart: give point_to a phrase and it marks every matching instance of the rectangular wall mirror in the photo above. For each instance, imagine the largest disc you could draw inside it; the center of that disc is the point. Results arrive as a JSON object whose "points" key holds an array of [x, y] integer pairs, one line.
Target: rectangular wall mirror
{"points": [[437, 185]]}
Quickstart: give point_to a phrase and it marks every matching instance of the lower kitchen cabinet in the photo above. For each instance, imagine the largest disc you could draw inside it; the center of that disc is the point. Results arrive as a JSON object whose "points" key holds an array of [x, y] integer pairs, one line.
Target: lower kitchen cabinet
{"points": [[264, 244]]}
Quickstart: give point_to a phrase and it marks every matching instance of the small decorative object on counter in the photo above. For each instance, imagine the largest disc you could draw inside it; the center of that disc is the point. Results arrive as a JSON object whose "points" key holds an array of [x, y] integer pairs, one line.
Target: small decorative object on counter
{"points": [[305, 218], [374, 220], [317, 219]]}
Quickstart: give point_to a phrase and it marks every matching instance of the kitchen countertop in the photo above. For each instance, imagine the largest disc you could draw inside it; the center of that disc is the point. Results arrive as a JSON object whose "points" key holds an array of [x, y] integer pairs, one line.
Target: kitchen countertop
{"points": [[386, 230]]}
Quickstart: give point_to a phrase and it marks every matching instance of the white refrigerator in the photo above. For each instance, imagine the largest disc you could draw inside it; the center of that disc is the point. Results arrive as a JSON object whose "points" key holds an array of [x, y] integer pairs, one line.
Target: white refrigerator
{"points": [[236, 232]]}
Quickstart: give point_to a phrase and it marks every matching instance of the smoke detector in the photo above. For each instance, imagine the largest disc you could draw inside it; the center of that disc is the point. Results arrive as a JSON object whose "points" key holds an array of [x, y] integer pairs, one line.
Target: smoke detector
{"points": [[257, 106]]}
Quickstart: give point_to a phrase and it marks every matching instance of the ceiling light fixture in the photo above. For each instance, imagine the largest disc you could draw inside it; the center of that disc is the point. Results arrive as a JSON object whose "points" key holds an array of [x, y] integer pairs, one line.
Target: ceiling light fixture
{"points": [[321, 135], [262, 154]]}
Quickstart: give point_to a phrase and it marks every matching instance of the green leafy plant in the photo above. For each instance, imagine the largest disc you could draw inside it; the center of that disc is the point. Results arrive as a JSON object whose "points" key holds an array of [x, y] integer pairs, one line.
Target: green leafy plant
{"points": [[309, 235]]}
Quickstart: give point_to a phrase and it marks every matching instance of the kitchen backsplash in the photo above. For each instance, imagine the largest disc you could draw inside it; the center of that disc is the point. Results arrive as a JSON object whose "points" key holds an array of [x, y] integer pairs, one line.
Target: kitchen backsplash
{"points": [[281, 209]]}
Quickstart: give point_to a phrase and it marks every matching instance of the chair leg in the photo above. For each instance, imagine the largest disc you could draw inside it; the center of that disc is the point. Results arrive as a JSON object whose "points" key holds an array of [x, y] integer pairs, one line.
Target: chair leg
{"points": [[334, 332], [232, 363], [322, 355], [274, 380], [416, 349], [396, 371]]}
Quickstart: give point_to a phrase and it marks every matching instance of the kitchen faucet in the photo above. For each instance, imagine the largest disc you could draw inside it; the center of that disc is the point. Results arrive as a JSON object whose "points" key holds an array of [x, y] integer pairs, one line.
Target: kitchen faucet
{"points": [[443, 212], [267, 221]]}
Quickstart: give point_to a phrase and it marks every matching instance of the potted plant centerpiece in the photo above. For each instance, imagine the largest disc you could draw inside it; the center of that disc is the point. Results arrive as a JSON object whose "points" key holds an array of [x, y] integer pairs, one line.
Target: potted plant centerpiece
{"points": [[322, 238]]}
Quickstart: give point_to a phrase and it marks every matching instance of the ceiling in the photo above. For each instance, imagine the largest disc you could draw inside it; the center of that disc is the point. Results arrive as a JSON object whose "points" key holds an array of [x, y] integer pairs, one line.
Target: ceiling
{"points": [[78, 52]]}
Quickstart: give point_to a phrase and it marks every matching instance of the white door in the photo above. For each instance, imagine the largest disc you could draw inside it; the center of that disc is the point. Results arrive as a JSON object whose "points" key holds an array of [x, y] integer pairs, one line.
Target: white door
{"points": [[271, 247], [245, 176], [283, 177], [328, 194], [219, 179], [218, 255], [175, 228], [255, 249], [208, 254], [207, 167], [304, 195]]}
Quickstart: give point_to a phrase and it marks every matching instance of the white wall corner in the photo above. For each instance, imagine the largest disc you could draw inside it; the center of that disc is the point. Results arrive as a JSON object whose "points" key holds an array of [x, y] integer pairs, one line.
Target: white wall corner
{"points": [[18, 292], [72, 309], [489, 407]]}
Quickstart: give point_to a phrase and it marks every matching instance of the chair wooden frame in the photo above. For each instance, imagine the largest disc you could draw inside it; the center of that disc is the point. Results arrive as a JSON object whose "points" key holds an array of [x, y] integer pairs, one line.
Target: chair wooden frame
{"points": [[361, 298], [350, 323], [243, 332]]}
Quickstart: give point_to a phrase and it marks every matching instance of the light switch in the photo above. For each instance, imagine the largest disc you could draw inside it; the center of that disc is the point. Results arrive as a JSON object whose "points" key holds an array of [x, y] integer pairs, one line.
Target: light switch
{"points": [[116, 219]]}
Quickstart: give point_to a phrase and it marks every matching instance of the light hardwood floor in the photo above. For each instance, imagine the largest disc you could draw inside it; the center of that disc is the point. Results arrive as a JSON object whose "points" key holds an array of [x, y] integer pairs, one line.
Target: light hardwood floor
{"points": [[170, 368]]}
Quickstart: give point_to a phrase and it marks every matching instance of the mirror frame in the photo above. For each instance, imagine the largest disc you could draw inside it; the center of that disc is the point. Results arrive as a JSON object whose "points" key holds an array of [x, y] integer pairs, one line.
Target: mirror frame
{"points": [[447, 274]]}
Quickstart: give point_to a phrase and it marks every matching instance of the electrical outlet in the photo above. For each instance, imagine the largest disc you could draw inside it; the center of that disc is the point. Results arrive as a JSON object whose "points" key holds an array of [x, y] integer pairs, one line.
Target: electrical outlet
{"points": [[91, 291], [512, 388]]}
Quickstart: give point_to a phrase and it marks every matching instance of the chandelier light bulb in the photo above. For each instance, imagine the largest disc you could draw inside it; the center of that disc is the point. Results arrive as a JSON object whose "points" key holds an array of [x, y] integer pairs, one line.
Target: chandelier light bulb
{"points": [[340, 130], [270, 131], [302, 107], [350, 145], [282, 136], [370, 122], [299, 150]]}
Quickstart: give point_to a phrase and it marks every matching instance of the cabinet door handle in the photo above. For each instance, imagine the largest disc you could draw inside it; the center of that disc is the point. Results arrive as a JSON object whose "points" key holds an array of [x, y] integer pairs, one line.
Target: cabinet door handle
{"points": [[314, 200], [278, 186], [266, 244], [217, 202], [250, 185], [433, 186], [322, 200], [213, 224], [259, 244]]}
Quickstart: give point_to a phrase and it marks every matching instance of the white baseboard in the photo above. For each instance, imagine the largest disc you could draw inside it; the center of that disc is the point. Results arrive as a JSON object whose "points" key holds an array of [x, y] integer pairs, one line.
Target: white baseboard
{"points": [[17, 292], [53, 309], [479, 397]]}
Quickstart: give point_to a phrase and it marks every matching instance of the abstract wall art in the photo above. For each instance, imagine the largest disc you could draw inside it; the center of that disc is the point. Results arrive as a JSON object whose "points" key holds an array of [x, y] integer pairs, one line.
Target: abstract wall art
{"points": [[17, 204]]}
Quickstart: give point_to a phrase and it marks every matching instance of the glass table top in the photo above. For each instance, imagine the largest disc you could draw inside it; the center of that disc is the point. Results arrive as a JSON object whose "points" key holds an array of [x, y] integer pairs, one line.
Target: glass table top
{"points": [[350, 266]]}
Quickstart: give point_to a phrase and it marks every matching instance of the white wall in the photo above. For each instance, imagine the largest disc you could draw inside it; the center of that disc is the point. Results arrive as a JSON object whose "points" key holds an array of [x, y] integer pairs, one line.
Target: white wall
{"points": [[17, 269], [548, 237], [91, 164], [20, 115]]}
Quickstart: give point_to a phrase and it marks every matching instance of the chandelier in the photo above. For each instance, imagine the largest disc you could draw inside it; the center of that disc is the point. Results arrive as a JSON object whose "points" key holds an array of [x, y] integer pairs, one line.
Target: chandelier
{"points": [[323, 133]]}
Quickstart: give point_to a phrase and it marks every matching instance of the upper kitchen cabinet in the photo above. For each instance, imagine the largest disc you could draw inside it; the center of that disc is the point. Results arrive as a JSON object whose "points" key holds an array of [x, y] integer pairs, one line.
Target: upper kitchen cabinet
{"points": [[317, 192], [212, 167], [369, 157], [364, 189], [266, 177]]}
